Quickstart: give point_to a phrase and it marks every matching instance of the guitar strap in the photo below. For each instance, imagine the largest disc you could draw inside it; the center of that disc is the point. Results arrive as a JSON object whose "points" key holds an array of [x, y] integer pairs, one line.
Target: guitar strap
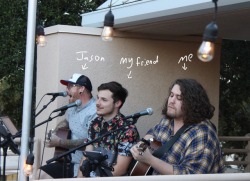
{"points": [[164, 149]]}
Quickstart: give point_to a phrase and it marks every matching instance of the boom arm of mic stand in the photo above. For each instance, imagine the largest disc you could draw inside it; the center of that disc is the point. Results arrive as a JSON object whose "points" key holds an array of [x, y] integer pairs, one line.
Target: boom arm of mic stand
{"points": [[19, 133], [45, 106], [134, 120], [57, 157], [50, 119]]}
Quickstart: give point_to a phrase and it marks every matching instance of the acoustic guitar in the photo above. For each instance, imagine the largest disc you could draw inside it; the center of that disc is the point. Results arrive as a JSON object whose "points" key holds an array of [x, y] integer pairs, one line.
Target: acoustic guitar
{"points": [[140, 168], [63, 133]]}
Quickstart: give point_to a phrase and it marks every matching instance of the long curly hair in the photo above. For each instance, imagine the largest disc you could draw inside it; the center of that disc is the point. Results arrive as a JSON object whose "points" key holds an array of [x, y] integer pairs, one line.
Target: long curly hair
{"points": [[195, 102]]}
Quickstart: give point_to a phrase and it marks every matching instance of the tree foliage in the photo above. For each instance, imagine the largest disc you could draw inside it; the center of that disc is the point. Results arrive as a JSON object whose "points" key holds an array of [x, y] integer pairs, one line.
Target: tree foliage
{"points": [[13, 34], [66, 12], [234, 114], [235, 88], [13, 28]]}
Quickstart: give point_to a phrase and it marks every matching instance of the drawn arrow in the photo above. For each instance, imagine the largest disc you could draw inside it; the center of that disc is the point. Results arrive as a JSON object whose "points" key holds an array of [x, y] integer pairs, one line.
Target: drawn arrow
{"points": [[84, 67], [129, 75], [184, 67]]}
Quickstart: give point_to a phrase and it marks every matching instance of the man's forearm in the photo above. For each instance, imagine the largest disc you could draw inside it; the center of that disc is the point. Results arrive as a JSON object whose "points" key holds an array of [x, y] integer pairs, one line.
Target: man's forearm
{"points": [[72, 143], [160, 166]]}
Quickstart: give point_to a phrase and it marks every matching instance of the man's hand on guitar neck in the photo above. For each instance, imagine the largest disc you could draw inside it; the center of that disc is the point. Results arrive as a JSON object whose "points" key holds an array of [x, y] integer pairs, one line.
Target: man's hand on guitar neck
{"points": [[148, 160], [140, 156], [141, 152]]}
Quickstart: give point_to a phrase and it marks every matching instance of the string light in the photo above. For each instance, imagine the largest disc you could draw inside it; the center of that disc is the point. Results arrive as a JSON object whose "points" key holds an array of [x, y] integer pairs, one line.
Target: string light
{"points": [[107, 32], [207, 48], [40, 36], [28, 168]]}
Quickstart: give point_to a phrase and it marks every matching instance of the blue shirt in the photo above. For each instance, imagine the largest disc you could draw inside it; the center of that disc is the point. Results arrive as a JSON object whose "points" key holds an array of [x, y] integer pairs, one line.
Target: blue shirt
{"points": [[79, 119]]}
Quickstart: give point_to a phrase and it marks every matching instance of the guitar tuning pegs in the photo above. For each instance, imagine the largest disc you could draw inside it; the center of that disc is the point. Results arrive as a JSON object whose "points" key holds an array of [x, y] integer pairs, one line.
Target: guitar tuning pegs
{"points": [[49, 135], [151, 140], [147, 142]]}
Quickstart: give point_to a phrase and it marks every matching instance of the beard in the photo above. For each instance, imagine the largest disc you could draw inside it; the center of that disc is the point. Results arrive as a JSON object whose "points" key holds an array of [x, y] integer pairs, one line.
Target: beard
{"points": [[173, 114], [73, 97]]}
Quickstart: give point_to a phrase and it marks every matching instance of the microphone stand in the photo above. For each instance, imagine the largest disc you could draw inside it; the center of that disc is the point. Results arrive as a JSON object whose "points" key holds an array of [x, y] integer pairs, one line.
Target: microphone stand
{"points": [[48, 120], [8, 138], [45, 106], [19, 133], [5, 144], [5, 148], [57, 157]]}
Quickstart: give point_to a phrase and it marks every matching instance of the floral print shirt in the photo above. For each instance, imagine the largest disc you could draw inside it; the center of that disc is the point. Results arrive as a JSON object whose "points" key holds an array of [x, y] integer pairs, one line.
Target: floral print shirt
{"points": [[116, 143]]}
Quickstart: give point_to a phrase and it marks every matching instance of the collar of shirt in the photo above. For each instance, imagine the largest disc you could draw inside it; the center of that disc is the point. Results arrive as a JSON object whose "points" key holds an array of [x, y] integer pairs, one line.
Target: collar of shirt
{"points": [[79, 108]]}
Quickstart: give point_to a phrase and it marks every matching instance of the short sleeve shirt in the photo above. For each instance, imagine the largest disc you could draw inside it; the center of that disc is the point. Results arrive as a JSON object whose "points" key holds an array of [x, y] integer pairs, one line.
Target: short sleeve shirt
{"points": [[118, 143], [79, 119]]}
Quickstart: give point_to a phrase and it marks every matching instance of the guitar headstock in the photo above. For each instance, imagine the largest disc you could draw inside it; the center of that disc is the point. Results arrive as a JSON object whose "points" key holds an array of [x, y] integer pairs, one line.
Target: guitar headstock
{"points": [[144, 144], [49, 134], [152, 144]]}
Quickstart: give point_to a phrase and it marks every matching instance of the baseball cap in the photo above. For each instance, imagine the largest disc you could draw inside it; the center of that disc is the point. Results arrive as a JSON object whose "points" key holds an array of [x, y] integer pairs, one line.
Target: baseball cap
{"points": [[78, 79]]}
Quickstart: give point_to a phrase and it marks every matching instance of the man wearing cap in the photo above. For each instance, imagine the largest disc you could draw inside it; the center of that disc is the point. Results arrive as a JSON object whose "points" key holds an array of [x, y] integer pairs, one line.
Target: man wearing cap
{"points": [[78, 119]]}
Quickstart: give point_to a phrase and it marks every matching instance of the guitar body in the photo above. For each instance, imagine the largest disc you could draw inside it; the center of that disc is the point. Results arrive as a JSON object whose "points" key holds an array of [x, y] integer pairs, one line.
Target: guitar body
{"points": [[140, 168], [62, 133]]}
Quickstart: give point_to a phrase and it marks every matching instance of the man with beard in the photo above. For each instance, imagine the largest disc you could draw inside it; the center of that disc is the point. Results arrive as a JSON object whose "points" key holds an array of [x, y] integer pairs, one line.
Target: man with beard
{"points": [[110, 98], [197, 150], [78, 119]]}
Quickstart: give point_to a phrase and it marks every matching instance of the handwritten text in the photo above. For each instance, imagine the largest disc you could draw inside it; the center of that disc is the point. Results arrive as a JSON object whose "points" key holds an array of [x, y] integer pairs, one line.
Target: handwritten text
{"points": [[185, 59]]}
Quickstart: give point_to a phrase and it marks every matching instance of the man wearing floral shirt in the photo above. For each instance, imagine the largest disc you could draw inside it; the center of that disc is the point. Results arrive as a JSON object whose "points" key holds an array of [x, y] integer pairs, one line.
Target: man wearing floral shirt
{"points": [[111, 97]]}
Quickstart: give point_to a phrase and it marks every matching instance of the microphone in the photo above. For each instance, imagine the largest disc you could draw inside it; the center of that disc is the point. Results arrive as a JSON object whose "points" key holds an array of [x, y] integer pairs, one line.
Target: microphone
{"points": [[64, 94], [78, 102], [148, 111]]}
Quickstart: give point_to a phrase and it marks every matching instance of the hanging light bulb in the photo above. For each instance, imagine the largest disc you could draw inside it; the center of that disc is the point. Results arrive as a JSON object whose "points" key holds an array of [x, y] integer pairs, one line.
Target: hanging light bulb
{"points": [[107, 32], [206, 51], [28, 168], [207, 48], [40, 36]]}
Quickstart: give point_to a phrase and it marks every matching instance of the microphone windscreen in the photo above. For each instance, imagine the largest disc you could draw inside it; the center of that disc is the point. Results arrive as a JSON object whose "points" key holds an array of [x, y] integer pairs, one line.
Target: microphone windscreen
{"points": [[78, 102], [65, 94], [150, 111]]}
